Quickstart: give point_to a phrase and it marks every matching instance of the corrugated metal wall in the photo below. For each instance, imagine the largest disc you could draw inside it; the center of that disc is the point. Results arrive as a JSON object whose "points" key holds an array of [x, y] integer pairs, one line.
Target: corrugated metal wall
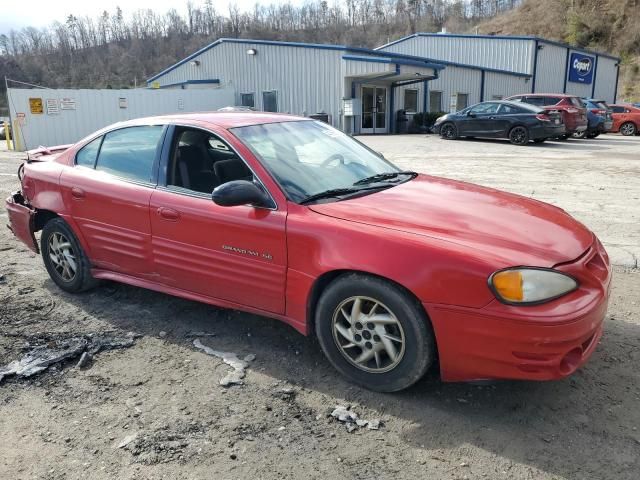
{"points": [[502, 86], [551, 69], [307, 79], [454, 80], [95, 109], [606, 79], [503, 54]]}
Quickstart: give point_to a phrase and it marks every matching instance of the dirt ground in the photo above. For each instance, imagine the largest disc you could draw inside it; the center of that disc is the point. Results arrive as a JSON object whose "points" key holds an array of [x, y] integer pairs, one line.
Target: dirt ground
{"points": [[156, 409]]}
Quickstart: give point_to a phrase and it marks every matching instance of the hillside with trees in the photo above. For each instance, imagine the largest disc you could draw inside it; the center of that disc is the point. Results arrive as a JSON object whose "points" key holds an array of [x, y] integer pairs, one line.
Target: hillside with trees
{"points": [[606, 25], [121, 51]]}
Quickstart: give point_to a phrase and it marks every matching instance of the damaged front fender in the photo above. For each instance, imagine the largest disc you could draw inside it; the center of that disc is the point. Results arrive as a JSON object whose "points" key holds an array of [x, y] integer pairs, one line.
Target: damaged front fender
{"points": [[22, 220]]}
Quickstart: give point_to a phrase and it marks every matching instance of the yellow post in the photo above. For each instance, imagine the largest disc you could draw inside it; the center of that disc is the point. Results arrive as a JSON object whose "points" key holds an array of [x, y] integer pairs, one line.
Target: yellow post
{"points": [[7, 135]]}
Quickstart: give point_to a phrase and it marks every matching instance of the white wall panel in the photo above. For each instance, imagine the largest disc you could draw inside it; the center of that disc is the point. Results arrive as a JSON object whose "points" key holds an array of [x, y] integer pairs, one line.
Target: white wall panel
{"points": [[95, 109], [503, 54]]}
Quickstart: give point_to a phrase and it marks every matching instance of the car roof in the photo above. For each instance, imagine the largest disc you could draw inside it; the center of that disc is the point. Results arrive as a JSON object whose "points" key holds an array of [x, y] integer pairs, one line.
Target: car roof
{"points": [[513, 104], [220, 119], [557, 95]]}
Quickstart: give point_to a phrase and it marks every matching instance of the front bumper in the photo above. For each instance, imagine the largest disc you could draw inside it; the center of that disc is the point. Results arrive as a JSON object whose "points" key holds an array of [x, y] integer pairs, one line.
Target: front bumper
{"points": [[21, 220], [543, 342]]}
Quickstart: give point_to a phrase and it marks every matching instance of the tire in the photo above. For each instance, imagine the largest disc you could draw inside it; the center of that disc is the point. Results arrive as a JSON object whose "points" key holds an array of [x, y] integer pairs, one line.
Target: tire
{"points": [[64, 259], [519, 135], [628, 129], [388, 369], [539, 140], [448, 131], [581, 134]]}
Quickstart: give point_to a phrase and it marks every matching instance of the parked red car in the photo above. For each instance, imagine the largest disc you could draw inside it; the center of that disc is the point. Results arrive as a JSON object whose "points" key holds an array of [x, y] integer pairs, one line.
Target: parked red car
{"points": [[289, 218], [573, 112], [626, 119]]}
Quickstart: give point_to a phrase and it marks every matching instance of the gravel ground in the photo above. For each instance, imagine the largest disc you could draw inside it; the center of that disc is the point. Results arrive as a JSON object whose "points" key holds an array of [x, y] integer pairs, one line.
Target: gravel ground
{"points": [[156, 409]]}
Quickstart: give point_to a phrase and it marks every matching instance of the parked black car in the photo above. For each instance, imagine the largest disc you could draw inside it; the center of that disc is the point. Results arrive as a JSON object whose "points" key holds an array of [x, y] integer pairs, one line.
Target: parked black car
{"points": [[519, 122]]}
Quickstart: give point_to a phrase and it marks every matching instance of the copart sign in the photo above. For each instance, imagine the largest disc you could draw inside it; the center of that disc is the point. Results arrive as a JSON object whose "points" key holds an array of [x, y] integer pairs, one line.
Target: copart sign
{"points": [[581, 68]]}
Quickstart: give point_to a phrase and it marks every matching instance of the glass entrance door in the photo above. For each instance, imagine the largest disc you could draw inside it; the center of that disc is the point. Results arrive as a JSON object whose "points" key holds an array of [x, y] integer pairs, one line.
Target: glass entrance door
{"points": [[374, 109]]}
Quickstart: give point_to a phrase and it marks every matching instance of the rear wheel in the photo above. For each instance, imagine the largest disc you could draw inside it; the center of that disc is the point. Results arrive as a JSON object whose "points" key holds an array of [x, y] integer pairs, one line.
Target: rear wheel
{"points": [[448, 131], [580, 134], [519, 136], [374, 333], [63, 257], [628, 129]]}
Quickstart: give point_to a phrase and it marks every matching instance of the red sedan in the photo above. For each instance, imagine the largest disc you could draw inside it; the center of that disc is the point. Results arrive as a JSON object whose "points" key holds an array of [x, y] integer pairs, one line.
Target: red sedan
{"points": [[292, 219], [626, 119]]}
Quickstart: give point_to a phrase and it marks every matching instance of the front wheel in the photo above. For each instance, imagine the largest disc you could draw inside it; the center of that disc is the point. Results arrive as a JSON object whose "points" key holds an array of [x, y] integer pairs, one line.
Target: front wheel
{"points": [[519, 136], [64, 259], [628, 129], [374, 333], [448, 131]]}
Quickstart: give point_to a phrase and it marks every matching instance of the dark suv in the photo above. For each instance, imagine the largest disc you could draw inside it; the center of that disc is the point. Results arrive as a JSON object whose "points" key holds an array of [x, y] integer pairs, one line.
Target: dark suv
{"points": [[574, 115]]}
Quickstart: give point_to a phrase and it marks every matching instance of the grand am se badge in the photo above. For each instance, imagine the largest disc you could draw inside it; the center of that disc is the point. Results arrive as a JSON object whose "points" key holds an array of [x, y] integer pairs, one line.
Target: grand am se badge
{"points": [[245, 251]]}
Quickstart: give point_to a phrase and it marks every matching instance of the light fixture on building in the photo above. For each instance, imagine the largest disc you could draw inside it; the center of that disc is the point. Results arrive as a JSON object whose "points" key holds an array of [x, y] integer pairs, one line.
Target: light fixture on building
{"points": [[252, 51], [194, 63], [540, 47]]}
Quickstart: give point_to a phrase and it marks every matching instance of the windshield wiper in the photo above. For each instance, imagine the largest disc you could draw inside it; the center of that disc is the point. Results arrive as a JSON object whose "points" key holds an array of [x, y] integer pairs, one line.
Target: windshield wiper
{"points": [[337, 192], [384, 176]]}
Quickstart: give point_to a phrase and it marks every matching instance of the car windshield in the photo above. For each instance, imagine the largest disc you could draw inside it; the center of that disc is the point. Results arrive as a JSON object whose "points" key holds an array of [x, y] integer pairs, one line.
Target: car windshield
{"points": [[308, 158]]}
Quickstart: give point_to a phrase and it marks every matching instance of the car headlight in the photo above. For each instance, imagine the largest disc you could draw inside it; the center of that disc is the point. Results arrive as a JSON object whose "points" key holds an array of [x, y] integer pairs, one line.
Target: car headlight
{"points": [[438, 120], [529, 285]]}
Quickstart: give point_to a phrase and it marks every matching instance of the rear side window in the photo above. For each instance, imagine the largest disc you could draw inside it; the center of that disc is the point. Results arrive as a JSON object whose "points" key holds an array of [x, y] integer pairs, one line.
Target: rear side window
{"points": [[88, 154], [130, 152], [617, 109], [551, 100], [576, 102], [539, 101], [510, 109]]}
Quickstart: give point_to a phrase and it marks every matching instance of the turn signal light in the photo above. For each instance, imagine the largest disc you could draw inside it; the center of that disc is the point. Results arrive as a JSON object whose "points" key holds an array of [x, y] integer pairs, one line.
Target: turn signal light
{"points": [[508, 285]]}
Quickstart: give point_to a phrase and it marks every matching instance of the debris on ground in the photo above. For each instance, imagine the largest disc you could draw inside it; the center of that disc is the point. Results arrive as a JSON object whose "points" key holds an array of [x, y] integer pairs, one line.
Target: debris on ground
{"points": [[200, 334], [351, 419], [127, 440], [85, 360], [40, 357], [239, 366]]}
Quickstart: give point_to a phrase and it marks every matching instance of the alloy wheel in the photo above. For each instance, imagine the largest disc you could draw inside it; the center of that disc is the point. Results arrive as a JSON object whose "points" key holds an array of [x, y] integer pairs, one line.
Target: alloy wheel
{"points": [[62, 256], [368, 334], [448, 131], [628, 129], [519, 136]]}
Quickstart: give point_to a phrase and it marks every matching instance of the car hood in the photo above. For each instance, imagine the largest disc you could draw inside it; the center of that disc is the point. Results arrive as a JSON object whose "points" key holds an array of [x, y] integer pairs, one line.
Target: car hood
{"points": [[513, 229]]}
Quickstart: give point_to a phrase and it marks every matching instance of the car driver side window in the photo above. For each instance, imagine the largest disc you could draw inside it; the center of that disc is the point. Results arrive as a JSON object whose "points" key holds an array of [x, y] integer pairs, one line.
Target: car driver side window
{"points": [[201, 161]]}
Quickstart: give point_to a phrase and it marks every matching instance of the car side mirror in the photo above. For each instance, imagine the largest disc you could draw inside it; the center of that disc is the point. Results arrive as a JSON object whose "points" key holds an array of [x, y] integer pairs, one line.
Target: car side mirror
{"points": [[471, 114], [239, 192]]}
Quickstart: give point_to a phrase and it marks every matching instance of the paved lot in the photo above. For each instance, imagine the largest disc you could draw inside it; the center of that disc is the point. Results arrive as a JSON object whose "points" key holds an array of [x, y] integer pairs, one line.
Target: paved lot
{"points": [[156, 410], [597, 181]]}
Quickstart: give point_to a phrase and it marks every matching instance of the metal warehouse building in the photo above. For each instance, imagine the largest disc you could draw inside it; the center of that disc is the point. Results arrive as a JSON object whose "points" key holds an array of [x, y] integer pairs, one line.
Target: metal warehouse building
{"points": [[360, 90], [548, 67]]}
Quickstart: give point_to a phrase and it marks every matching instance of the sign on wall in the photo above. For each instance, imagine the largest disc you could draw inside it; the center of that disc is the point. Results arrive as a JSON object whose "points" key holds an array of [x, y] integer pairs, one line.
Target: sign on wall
{"points": [[581, 68], [52, 106], [35, 105], [68, 104]]}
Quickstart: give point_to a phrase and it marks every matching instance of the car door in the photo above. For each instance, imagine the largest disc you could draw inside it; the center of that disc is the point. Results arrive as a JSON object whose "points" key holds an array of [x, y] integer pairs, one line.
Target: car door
{"points": [[482, 120], [108, 191], [237, 254], [507, 117]]}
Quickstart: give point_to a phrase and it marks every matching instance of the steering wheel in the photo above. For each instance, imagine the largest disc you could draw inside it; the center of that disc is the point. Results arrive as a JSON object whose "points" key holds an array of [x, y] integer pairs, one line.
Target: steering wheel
{"points": [[335, 157]]}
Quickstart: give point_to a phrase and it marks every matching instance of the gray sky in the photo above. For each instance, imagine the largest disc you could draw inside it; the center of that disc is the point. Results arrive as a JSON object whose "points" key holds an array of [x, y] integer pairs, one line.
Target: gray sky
{"points": [[17, 14]]}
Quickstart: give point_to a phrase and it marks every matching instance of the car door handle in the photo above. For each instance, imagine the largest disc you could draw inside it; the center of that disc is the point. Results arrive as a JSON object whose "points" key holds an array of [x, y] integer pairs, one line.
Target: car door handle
{"points": [[77, 193], [168, 213]]}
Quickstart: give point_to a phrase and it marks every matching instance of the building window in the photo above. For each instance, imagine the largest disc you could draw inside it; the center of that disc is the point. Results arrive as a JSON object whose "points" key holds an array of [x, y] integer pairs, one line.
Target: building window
{"points": [[435, 101], [270, 101], [462, 101], [247, 100], [411, 100]]}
